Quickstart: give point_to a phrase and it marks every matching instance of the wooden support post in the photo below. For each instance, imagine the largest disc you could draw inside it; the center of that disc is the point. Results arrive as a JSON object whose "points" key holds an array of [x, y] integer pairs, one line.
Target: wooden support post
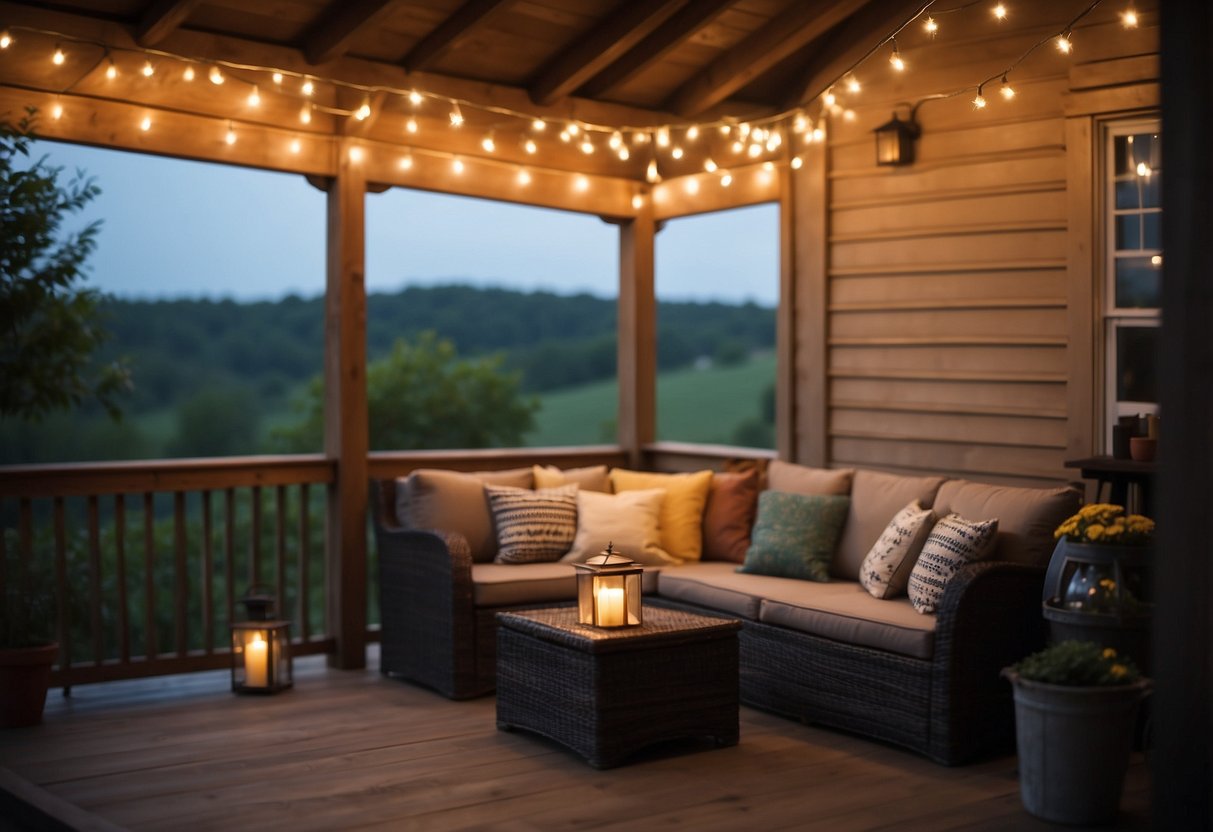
{"points": [[637, 332], [345, 412], [785, 322], [805, 311]]}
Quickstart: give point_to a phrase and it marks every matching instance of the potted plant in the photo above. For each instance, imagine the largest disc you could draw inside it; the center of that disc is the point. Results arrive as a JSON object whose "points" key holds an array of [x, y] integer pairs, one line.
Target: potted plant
{"points": [[1075, 712], [27, 645], [1095, 587]]}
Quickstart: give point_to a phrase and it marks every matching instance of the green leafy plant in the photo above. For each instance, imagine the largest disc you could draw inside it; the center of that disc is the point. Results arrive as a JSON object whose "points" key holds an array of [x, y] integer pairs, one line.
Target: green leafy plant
{"points": [[1108, 524], [1078, 664], [27, 618]]}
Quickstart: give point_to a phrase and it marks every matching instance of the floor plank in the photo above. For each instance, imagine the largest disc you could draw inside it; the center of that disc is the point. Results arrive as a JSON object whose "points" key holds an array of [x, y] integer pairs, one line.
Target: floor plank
{"points": [[355, 750]]}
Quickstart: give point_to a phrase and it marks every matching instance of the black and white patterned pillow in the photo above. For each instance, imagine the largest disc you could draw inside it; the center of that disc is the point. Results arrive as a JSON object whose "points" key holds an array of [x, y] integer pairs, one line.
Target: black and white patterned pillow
{"points": [[953, 542], [533, 526], [886, 569]]}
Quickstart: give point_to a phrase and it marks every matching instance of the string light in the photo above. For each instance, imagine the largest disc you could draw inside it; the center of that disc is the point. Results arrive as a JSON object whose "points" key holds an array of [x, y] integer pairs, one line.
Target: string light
{"points": [[800, 123], [296, 146], [663, 137], [623, 153], [57, 110], [488, 144], [692, 133], [726, 180], [587, 146], [364, 110], [58, 57], [896, 60], [1000, 12], [1008, 92], [737, 146], [188, 73], [415, 98], [230, 138], [754, 151], [410, 126], [308, 87], [530, 147], [145, 124], [6, 39], [980, 101], [819, 134], [651, 173], [111, 71], [355, 154], [457, 166], [853, 84], [581, 184], [931, 26], [566, 136], [524, 178], [1128, 19], [1064, 46], [797, 163], [539, 125], [277, 79], [456, 115], [829, 99], [254, 97], [616, 140], [640, 137], [1143, 169], [148, 70], [406, 161], [692, 186], [725, 129], [305, 114], [709, 165], [637, 201], [676, 152], [216, 76]]}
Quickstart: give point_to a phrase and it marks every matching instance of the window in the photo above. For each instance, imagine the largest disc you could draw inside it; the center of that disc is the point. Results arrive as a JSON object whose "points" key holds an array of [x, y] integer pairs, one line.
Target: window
{"points": [[1133, 268]]}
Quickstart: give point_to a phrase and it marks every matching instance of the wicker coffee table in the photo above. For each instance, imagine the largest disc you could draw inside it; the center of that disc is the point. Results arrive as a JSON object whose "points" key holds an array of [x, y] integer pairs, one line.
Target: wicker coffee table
{"points": [[608, 693]]}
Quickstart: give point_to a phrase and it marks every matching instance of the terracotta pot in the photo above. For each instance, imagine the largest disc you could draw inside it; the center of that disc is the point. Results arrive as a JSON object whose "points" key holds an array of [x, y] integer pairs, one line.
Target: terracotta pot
{"points": [[25, 675], [1142, 448]]}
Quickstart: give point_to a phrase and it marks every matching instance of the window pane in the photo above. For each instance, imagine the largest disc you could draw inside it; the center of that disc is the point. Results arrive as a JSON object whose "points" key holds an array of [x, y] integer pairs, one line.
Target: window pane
{"points": [[1153, 231], [1122, 156], [1136, 363], [1128, 194], [1137, 283], [717, 285], [1128, 232], [1151, 188]]}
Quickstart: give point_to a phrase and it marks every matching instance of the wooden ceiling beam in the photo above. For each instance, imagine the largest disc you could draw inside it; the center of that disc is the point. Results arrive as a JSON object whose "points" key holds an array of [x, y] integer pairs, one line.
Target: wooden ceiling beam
{"points": [[664, 39], [604, 44], [161, 18], [337, 26], [451, 33], [800, 25]]}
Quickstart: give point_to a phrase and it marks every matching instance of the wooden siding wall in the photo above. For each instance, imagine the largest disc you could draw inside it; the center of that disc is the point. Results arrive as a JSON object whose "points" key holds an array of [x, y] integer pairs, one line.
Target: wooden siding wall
{"points": [[947, 324]]}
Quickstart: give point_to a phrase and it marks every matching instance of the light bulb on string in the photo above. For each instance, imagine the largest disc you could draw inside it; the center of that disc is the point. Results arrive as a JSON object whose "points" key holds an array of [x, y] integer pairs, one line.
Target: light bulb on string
{"points": [[587, 146], [410, 125], [296, 146], [709, 165], [457, 166], [539, 125], [676, 152], [797, 163], [829, 99], [573, 128], [6, 39], [1143, 169], [415, 98], [616, 140], [737, 146], [754, 151], [663, 137], [111, 71], [305, 114], [1128, 19], [1007, 91], [188, 73], [725, 130], [581, 184], [488, 144], [819, 134], [759, 134], [849, 115], [566, 136], [57, 110], [637, 202], [57, 57], [800, 123], [230, 136], [406, 161], [623, 153], [931, 26], [1000, 11], [895, 60], [692, 133], [692, 186], [308, 87], [980, 101], [640, 137], [145, 123], [216, 76], [775, 139], [456, 115], [651, 173], [726, 180], [277, 79], [530, 147], [356, 154], [1064, 45], [524, 177], [853, 85], [148, 70], [254, 97], [364, 110]]}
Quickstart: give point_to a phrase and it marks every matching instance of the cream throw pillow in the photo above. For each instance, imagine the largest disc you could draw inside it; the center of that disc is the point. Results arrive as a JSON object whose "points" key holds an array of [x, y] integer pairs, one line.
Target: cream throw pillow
{"points": [[631, 521], [886, 570], [953, 543], [682, 511]]}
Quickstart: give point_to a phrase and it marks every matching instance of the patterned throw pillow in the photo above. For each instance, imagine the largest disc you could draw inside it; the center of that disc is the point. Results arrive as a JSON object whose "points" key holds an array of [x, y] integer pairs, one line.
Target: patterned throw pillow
{"points": [[953, 542], [795, 534], [886, 569], [533, 526]]}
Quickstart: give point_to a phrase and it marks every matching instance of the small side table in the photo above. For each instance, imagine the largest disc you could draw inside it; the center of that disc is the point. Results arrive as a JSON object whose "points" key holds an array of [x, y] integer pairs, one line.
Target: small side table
{"points": [[608, 693], [1119, 475]]}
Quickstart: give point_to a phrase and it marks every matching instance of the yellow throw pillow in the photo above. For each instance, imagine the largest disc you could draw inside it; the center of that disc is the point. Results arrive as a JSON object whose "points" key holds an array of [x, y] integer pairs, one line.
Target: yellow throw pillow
{"points": [[682, 511]]}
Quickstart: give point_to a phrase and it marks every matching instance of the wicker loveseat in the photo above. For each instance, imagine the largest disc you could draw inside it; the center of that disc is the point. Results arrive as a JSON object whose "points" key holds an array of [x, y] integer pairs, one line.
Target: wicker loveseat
{"points": [[824, 653]]}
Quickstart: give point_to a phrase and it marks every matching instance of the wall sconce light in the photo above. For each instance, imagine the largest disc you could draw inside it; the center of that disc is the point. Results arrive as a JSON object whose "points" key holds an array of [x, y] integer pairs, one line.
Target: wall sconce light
{"points": [[895, 140], [608, 591], [261, 646]]}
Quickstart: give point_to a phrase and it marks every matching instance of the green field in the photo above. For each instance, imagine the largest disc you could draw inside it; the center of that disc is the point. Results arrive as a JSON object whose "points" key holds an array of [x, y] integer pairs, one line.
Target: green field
{"points": [[692, 406]]}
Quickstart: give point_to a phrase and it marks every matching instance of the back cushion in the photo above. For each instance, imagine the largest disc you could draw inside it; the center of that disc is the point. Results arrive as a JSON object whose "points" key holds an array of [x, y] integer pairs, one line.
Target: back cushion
{"points": [[431, 498], [875, 498], [1026, 516], [729, 515], [801, 479], [591, 478]]}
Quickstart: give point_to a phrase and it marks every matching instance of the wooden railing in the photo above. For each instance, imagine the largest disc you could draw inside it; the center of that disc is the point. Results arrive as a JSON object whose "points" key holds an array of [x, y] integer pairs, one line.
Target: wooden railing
{"points": [[147, 560]]}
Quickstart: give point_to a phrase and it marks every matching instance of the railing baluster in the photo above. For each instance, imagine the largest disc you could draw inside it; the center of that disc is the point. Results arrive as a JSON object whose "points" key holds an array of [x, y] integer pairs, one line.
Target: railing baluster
{"points": [[149, 579], [61, 586], [229, 551], [304, 556], [280, 548], [94, 568], [25, 532], [208, 623], [181, 600], [3, 562], [255, 549], [124, 624]]}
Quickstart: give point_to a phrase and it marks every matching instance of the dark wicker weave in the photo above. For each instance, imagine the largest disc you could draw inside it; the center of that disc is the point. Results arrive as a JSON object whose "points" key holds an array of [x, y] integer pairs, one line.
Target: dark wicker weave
{"points": [[609, 693], [952, 708]]}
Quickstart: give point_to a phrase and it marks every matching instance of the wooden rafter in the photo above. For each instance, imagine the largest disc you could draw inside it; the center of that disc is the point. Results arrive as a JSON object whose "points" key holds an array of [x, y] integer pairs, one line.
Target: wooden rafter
{"points": [[854, 39], [797, 27], [450, 33], [664, 39], [161, 18], [330, 36], [605, 43]]}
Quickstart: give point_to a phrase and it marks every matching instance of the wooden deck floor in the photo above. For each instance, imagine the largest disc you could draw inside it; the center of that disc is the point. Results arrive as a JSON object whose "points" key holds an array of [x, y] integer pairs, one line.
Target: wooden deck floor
{"points": [[346, 750]]}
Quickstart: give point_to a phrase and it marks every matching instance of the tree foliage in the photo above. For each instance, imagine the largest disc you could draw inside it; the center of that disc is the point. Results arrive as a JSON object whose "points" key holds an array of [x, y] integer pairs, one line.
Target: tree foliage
{"points": [[50, 327], [423, 395]]}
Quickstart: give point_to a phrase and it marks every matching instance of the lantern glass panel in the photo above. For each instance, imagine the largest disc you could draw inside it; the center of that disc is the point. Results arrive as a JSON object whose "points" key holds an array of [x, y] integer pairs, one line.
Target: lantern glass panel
{"points": [[261, 656]]}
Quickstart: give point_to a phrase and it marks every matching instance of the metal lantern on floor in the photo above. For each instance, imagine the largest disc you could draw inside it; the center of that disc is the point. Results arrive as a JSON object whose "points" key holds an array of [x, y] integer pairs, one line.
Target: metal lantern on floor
{"points": [[261, 646], [608, 590]]}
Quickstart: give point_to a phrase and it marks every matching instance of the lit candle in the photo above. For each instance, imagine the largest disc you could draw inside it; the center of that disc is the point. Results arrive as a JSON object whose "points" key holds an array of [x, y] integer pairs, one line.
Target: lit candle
{"points": [[610, 606], [255, 665]]}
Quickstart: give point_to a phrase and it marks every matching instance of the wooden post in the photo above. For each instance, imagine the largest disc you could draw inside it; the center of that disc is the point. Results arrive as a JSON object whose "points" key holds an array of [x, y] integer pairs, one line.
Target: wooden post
{"points": [[345, 412], [785, 322], [637, 333], [804, 312]]}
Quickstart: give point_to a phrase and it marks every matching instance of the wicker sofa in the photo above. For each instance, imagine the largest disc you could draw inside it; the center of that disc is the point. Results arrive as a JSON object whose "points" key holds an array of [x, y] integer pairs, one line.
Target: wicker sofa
{"points": [[824, 653]]}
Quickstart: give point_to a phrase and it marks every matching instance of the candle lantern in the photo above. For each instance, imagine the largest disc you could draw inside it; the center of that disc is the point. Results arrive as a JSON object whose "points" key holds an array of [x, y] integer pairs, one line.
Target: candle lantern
{"points": [[261, 646], [608, 590]]}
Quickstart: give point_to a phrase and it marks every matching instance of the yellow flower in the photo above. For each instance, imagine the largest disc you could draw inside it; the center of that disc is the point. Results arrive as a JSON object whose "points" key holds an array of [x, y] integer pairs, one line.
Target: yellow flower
{"points": [[1108, 653], [1094, 531], [1118, 670]]}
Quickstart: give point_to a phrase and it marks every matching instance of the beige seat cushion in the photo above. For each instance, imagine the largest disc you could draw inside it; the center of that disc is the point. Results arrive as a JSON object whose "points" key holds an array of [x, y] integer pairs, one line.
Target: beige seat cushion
{"points": [[875, 498], [1026, 516], [718, 585], [845, 612], [452, 501], [801, 479], [510, 584]]}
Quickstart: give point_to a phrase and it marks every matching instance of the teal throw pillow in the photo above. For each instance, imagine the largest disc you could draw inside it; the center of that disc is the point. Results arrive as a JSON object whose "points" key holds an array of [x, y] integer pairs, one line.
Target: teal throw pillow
{"points": [[795, 535]]}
